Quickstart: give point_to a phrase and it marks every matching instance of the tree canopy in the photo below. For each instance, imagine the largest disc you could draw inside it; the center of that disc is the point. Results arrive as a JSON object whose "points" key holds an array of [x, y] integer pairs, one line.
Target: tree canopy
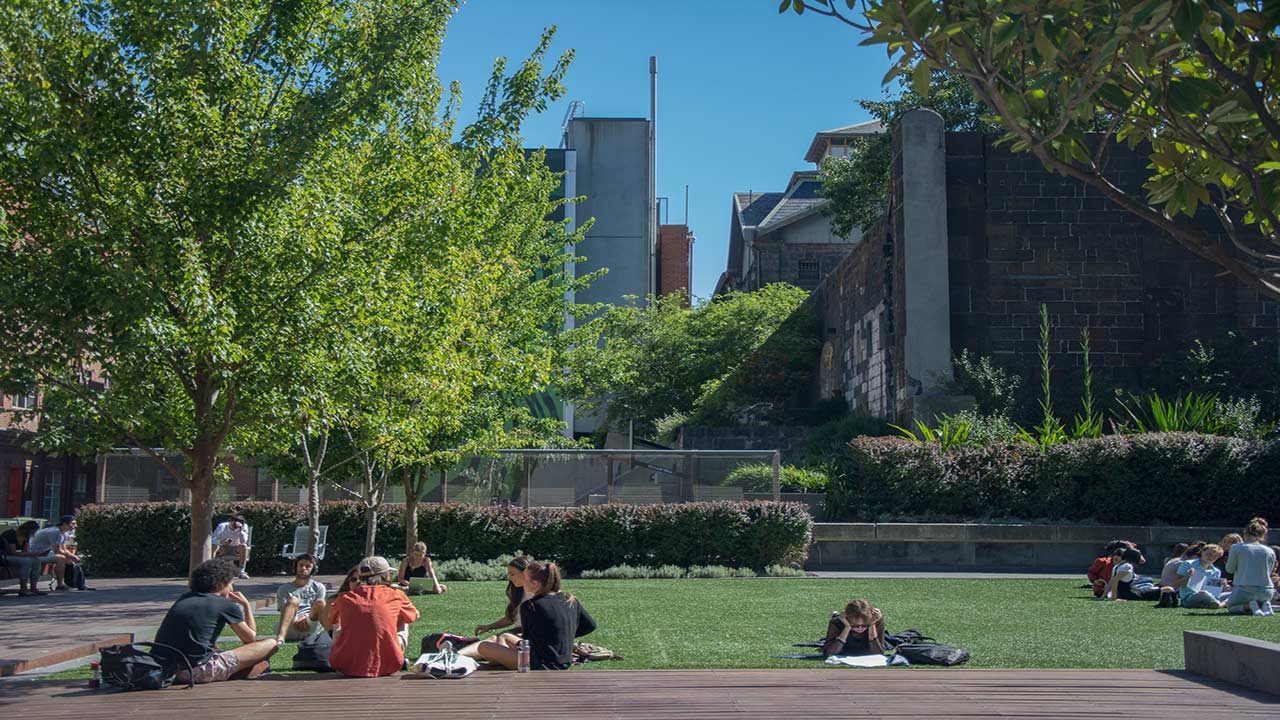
{"points": [[240, 212], [1195, 81]]}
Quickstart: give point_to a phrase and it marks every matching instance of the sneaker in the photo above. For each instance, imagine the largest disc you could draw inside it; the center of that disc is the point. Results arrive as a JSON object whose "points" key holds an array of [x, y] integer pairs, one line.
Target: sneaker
{"points": [[1254, 608], [244, 575], [1266, 609], [62, 588]]}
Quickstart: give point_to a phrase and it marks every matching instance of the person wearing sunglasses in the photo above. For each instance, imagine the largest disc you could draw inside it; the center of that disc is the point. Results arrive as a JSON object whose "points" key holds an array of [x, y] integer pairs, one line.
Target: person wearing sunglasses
{"points": [[859, 630]]}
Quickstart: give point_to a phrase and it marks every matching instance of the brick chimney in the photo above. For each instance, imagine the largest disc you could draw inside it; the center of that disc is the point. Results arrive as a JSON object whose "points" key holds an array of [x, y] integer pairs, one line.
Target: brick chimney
{"points": [[675, 249]]}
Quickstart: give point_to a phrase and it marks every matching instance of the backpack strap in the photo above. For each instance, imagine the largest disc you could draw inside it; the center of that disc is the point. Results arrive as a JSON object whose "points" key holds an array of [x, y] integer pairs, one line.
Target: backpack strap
{"points": [[191, 671]]}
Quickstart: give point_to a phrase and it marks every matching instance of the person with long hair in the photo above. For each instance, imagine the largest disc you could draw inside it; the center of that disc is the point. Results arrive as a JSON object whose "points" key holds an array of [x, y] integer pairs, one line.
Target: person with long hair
{"points": [[859, 630], [551, 620], [1200, 573], [418, 564], [25, 563], [516, 596], [1251, 564]]}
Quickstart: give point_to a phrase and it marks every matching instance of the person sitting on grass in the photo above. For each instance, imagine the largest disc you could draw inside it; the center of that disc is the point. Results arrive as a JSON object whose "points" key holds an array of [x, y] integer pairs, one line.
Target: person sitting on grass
{"points": [[859, 630], [371, 623], [1170, 565], [1099, 573], [418, 564], [195, 622], [1199, 573], [516, 597], [16, 554], [231, 538], [551, 621], [1126, 583], [1227, 542], [1252, 564], [311, 598]]}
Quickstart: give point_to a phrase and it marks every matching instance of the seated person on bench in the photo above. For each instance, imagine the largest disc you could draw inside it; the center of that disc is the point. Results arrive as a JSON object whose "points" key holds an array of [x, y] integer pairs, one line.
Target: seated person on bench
{"points": [[194, 623], [231, 538], [15, 554], [53, 542]]}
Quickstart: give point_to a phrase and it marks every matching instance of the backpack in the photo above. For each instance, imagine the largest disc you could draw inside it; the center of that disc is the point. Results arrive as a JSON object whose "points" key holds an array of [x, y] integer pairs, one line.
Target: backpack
{"points": [[313, 653], [904, 637], [586, 652], [926, 651], [444, 665], [129, 667]]}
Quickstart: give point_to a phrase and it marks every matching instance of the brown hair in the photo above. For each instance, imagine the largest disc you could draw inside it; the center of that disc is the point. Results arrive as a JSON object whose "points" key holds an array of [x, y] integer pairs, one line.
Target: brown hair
{"points": [[352, 578], [27, 529], [1257, 529], [515, 593], [1230, 539], [860, 609], [548, 577], [1211, 548], [1194, 550]]}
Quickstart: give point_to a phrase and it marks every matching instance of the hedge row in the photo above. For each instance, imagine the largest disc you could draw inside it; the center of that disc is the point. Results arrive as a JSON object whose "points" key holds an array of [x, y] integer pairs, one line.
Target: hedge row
{"points": [[1176, 478], [150, 539]]}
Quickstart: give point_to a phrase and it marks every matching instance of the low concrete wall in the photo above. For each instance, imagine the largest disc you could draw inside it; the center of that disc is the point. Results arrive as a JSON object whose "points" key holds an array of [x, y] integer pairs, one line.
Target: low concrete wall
{"points": [[984, 546], [1243, 661]]}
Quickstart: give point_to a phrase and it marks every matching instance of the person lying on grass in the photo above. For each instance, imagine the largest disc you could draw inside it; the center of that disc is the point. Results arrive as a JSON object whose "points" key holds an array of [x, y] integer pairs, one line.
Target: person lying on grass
{"points": [[1126, 583], [859, 630], [194, 623], [311, 598], [550, 621]]}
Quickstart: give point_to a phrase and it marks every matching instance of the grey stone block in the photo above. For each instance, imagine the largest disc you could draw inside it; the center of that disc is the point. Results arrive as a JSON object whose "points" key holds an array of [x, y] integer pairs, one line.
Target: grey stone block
{"points": [[1243, 661]]}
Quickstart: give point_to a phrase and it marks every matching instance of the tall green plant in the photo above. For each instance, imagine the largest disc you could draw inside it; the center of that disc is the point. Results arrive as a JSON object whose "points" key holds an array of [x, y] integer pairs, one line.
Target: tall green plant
{"points": [[1050, 431], [1089, 423], [1192, 412]]}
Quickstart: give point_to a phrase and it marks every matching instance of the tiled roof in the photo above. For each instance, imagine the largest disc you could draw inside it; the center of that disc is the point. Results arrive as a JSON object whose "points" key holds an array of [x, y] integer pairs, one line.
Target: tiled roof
{"points": [[754, 207], [802, 198]]}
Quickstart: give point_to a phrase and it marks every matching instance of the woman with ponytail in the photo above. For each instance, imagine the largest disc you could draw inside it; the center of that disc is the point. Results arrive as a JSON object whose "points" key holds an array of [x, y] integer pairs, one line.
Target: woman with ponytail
{"points": [[1252, 564], [551, 620]]}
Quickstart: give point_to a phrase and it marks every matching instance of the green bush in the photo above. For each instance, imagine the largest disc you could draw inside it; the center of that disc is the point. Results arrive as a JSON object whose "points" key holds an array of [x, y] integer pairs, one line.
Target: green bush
{"points": [[758, 478], [122, 539], [1178, 478]]}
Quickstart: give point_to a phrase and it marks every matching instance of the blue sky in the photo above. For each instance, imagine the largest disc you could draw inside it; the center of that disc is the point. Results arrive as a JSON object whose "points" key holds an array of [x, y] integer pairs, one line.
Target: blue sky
{"points": [[741, 89]]}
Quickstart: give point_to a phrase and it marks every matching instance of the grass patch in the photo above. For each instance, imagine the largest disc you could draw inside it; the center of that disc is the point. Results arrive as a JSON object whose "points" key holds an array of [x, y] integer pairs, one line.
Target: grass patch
{"points": [[746, 623]]}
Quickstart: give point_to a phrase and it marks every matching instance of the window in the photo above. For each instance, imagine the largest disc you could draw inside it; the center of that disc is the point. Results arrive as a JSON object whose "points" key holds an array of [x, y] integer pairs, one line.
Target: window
{"points": [[807, 274], [53, 495], [25, 401]]}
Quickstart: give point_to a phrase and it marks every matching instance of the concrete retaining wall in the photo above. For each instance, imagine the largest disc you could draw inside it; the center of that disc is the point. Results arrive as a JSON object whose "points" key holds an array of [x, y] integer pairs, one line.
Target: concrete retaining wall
{"points": [[1243, 661], [978, 546]]}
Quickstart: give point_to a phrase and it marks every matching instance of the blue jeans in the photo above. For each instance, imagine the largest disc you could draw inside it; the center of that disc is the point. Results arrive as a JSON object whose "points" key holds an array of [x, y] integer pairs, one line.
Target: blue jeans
{"points": [[26, 569], [1242, 595]]}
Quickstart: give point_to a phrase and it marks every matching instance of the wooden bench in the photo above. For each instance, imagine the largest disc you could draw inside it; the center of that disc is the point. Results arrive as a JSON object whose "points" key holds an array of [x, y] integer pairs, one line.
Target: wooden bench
{"points": [[1234, 659]]}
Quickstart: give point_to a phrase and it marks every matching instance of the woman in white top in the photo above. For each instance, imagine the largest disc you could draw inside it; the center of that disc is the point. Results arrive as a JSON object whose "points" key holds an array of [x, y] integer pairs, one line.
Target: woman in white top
{"points": [[516, 596]]}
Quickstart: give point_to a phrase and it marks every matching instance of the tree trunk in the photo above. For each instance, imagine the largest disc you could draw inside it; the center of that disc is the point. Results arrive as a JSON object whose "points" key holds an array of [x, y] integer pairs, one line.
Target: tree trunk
{"points": [[201, 486], [313, 511], [370, 528], [412, 487]]}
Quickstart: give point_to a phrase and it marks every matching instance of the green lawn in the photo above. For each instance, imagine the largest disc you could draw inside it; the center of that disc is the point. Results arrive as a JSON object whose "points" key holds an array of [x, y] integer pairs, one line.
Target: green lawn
{"points": [[746, 623]]}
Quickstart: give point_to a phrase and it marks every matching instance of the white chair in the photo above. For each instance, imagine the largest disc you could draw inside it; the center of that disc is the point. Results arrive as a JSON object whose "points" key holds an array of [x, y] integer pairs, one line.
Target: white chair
{"points": [[302, 539]]}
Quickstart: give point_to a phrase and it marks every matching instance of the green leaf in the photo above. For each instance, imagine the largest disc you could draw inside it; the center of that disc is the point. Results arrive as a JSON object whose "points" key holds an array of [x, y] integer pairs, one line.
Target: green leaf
{"points": [[1045, 46], [783, 7], [1269, 166], [1183, 97], [1187, 20], [920, 78], [798, 6]]}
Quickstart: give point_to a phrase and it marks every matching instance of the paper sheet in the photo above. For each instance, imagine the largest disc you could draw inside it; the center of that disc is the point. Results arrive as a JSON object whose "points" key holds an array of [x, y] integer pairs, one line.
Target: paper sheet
{"points": [[867, 661]]}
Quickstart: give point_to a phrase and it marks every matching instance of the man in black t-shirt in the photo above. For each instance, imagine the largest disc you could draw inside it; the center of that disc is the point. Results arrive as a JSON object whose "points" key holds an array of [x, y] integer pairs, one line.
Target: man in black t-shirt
{"points": [[192, 627]]}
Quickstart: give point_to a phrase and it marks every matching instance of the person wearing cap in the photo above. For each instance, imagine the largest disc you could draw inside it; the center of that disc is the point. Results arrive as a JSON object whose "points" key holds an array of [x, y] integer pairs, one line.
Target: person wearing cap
{"points": [[232, 538], [371, 621], [49, 543]]}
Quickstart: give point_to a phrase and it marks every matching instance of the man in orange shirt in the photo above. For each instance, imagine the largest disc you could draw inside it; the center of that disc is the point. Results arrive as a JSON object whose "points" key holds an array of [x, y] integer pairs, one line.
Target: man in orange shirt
{"points": [[371, 623]]}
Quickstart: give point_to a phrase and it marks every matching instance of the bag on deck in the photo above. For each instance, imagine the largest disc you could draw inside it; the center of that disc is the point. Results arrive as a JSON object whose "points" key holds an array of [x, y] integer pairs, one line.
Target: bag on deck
{"points": [[928, 652], [313, 653], [129, 667], [444, 665]]}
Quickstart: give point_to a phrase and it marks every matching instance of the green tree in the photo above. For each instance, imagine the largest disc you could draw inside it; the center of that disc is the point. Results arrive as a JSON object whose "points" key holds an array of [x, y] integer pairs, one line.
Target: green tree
{"points": [[203, 200], [643, 364], [1195, 81], [858, 183]]}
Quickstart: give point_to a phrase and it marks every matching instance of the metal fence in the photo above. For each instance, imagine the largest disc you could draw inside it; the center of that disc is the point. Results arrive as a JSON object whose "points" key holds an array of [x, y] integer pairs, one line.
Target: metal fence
{"points": [[566, 478]]}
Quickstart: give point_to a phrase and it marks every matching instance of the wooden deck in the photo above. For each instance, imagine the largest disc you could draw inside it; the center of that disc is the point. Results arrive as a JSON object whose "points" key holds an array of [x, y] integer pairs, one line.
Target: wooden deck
{"points": [[623, 695]]}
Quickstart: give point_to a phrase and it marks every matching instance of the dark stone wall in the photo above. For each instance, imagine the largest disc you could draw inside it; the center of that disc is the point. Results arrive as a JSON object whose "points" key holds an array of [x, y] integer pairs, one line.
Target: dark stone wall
{"points": [[1021, 236]]}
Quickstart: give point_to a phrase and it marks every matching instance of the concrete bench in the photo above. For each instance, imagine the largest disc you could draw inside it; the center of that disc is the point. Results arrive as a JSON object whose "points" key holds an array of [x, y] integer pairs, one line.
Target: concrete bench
{"points": [[1254, 664]]}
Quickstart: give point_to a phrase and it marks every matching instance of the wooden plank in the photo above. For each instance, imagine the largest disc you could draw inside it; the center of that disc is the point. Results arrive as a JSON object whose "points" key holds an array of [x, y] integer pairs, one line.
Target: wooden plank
{"points": [[658, 695]]}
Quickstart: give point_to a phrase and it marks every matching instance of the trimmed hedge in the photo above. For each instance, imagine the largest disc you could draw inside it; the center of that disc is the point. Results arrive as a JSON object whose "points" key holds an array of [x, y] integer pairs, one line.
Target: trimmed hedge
{"points": [[150, 539], [1176, 478]]}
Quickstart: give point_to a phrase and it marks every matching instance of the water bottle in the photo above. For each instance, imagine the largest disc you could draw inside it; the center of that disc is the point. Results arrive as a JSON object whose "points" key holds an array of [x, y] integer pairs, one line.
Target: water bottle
{"points": [[522, 656], [446, 647]]}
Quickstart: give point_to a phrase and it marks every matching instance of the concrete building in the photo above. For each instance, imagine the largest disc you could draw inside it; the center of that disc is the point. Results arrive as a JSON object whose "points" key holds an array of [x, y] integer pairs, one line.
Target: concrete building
{"points": [[786, 236]]}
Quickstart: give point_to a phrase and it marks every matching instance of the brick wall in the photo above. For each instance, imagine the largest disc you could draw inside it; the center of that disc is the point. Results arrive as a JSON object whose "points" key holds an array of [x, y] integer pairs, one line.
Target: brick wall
{"points": [[673, 259], [1020, 236]]}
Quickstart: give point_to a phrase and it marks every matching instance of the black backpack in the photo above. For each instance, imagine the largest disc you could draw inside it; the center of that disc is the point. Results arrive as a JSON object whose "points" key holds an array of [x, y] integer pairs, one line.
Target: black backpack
{"points": [[313, 653], [129, 667], [926, 651]]}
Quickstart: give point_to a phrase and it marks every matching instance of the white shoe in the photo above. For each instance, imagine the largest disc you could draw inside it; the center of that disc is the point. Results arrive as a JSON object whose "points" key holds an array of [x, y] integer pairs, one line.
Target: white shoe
{"points": [[1266, 609], [1254, 608], [244, 575]]}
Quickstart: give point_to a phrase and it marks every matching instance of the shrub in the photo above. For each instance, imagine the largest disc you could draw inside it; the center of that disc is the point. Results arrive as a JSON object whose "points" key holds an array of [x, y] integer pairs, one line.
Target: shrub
{"points": [[122, 539], [758, 478], [827, 441], [1163, 477], [718, 572], [783, 571]]}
